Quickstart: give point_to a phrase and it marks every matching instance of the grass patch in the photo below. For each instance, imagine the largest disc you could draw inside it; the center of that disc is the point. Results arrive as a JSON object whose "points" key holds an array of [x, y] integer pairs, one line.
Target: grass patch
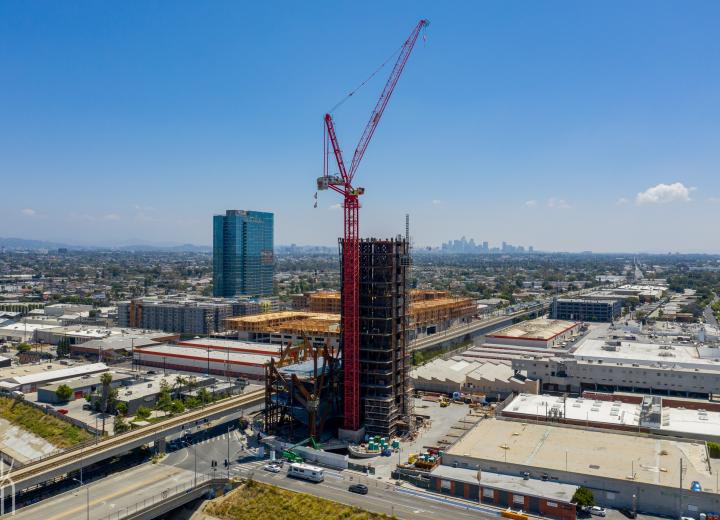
{"points": [[420, 357], [255, 500], [56, 431]]}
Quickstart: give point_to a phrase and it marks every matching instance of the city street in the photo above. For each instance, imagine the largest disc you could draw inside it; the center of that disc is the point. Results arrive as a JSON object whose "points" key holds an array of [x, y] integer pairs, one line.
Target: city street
{"points": [[111, 495]]}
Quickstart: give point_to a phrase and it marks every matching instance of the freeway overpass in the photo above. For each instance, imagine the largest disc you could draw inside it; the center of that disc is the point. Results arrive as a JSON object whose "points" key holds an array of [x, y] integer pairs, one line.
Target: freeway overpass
{"points": [[475, 328], [71, 460]]}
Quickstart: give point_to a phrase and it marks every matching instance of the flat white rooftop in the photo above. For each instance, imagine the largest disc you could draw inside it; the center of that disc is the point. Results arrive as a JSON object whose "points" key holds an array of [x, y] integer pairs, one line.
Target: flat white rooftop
{"points": [[647, 354], [195, 354], [622, 456], [579, 409], [683, 420], [233, 345]]}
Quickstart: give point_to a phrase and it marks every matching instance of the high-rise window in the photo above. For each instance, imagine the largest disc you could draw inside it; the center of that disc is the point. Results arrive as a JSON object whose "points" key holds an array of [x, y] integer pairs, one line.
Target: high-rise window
{"points": [[243, 262]]}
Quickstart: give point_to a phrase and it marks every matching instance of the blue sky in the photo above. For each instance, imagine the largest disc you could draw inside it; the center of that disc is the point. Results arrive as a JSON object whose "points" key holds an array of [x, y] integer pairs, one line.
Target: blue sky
{"points": [[565, 125]]}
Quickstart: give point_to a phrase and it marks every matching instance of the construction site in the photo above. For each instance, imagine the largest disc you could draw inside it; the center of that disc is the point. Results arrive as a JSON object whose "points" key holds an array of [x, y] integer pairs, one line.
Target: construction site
{"points": [[344, 367]]}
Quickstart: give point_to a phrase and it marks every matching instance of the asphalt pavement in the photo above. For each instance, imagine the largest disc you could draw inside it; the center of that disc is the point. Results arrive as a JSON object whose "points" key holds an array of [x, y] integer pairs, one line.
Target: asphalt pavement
{"points": [[111, 496]]}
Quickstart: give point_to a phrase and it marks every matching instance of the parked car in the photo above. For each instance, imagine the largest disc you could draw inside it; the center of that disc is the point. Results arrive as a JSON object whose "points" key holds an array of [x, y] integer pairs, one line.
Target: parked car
{"points": [[361, 489], [597, 511], [695, 486], [63, 411], [629, 513], [272, 468], [87, 406]]}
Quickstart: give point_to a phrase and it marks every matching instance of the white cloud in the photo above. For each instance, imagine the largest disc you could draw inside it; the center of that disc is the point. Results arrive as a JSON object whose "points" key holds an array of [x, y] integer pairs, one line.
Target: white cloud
{"points": [[664, 193], [531, 203], [714, 200], [29, 212], [336, 206], [111, 216], [557, 203], [436, 202], [622, 201]]}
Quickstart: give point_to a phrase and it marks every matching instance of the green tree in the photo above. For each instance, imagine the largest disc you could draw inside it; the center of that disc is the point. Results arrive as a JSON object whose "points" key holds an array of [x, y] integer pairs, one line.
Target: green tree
{"points": [[164, 401], [177, 407], [63, 347], [204, 396], [143, 413], [120, 424], [24, 347], [63, 393], [105, 380], [583, 497], [714, 449], [121, 408]]}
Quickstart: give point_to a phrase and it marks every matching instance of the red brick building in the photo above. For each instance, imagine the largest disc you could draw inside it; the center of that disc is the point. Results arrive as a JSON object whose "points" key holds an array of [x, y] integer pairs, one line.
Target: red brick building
{"points": [[547, 498]]}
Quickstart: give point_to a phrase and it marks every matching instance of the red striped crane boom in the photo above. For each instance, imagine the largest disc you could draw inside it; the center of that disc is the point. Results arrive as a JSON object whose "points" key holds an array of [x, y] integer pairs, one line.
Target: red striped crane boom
{"points": [[342, 184]]}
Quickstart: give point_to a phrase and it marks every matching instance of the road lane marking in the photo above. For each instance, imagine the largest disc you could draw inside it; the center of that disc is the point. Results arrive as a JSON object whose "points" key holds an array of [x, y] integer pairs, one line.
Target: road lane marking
{"points": [[98, 501], [443, 500]]}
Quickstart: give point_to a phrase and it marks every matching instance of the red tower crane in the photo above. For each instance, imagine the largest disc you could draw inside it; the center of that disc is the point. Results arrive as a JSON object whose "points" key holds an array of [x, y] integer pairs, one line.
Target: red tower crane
{"points": [[342, 184]]}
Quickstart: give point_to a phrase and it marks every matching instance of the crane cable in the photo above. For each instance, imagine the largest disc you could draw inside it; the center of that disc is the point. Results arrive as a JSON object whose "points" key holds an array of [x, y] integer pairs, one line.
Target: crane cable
{"points": [[361, 85]]}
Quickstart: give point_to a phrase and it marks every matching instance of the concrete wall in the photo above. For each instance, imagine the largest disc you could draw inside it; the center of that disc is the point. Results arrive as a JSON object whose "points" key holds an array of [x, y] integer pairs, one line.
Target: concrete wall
{"points": [[609, 492]]}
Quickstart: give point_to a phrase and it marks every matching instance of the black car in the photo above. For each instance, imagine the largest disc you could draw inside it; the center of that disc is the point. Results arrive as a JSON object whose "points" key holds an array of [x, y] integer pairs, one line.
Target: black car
{"points": [[362, 489], [629, 513]]}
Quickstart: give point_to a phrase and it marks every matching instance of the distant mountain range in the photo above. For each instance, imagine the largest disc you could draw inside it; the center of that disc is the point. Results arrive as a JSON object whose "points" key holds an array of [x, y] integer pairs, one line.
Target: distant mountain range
{"points": [[25, 244]]}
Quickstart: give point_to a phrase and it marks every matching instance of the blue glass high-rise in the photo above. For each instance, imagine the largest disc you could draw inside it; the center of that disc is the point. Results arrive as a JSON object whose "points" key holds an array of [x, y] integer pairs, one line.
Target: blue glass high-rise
{"points": [[243, 262]]}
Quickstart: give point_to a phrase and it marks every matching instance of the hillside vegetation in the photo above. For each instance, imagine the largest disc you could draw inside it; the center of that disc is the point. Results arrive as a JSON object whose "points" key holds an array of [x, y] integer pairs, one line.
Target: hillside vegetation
{"points": [[56, 431], [255, 500]]}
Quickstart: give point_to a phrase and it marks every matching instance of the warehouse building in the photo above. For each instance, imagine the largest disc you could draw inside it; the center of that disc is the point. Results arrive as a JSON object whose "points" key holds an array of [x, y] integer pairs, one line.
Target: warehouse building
{"points": [[622, 470], [494, 379], [81, 387], [537, 333], [628, 366], [679, 417], [267, 349], [582, 309], [119, 345], [222, 362], [28, 378], [543, 498]]}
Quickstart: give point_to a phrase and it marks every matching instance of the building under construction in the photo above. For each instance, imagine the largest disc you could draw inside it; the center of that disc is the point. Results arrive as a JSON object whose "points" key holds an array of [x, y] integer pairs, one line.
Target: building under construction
{"points": [[302, 392], [288, 327], [385, 393]]}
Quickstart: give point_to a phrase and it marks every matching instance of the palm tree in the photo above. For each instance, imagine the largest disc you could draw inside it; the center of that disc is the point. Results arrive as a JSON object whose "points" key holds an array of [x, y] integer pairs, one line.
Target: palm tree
{"points": [[180, 381], [105, 379]]}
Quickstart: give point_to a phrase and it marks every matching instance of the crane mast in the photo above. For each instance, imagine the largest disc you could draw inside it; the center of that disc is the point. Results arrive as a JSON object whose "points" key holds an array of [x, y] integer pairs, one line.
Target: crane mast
{"points": [[342, 184]]}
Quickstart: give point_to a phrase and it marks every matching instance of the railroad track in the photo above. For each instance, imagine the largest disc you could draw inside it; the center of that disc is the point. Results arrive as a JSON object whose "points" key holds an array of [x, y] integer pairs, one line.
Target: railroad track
{"points": [[68, 456]]}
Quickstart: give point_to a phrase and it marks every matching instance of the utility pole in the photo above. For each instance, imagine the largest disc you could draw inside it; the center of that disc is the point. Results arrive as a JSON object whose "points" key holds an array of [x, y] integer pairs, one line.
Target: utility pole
{"points": [[228, 453]]}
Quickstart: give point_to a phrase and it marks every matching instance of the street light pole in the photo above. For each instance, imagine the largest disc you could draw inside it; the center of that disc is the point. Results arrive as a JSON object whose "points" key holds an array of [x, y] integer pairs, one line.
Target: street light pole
{"points": [[87, 498]]}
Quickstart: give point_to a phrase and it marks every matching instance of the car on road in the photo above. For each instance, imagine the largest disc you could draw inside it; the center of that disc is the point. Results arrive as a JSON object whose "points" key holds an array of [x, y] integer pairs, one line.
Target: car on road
{"points": [[361, 489], [597, 511], [629, 513], [695, 486], [272, 468]]}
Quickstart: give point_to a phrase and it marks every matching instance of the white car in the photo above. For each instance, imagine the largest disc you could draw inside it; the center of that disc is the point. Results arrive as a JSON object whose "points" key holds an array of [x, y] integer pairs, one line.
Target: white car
{"points": [[597, 511], [272, 468]]}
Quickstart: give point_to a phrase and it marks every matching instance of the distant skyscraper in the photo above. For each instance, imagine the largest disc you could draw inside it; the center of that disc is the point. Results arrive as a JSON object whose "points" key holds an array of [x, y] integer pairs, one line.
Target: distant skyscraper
{"points": [[243, 253]]}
